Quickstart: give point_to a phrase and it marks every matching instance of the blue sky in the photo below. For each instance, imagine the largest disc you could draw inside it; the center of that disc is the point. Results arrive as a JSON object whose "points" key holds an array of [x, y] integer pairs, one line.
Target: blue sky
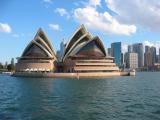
{"points": [[111, 20]]}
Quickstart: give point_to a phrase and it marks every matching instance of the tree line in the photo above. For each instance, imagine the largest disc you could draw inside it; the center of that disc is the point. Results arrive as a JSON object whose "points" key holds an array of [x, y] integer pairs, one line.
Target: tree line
{"points": [[8, 67]]}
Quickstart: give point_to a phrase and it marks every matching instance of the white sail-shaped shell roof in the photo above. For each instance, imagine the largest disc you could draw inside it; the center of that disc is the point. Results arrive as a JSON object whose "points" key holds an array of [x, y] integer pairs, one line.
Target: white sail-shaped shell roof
{"points": [[76, 35], [98, 43], [84, 38], [41, 40]]}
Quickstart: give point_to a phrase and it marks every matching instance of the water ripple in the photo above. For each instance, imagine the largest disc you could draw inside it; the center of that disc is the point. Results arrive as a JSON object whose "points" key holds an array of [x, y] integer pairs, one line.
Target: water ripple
{"points": [[119, 98]]}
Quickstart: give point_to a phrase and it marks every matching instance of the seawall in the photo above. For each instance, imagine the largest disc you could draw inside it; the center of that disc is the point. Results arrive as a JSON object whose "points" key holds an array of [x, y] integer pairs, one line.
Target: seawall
{"points": [[71, 75]]}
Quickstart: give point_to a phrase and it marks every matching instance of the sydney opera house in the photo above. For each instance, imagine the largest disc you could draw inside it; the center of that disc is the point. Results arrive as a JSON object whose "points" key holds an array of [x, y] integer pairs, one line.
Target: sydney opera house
{"points": [[38, 55], [83, 53]]}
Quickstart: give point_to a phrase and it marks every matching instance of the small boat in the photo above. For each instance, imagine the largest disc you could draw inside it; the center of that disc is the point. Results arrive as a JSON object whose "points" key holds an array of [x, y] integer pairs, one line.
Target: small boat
{"points": [[132, 72]]}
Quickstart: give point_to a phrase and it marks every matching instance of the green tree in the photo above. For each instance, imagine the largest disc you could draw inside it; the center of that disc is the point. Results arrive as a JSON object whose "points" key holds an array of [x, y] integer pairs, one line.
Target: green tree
{"points": [[1, 66], [10, 67]]}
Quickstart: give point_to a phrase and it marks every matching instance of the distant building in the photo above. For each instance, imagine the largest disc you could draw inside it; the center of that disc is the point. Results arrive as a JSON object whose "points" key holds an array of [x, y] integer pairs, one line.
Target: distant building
{"points": [[159, 55], [147, 49], [132, 60], [116, 52], [58, 55], [122, 58], [109, 51], [153, 52], [125, 57], [130, 48], [148, 59], [60, 52], [138, 48], [62, 47], [157, 58], [148, 56]]}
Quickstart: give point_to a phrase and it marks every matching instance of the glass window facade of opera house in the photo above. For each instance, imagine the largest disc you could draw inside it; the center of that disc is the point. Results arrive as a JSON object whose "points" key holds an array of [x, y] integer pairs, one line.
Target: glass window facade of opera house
{"points": [[83, 53]]}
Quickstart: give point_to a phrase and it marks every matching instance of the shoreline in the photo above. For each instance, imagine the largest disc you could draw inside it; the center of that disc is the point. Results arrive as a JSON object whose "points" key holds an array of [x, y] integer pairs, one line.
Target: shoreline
{"points": [[73, 75]]}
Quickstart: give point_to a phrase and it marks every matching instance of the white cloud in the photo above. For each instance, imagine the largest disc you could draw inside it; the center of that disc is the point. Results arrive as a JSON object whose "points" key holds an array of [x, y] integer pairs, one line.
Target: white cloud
{"points": [[4, 27], [95, 2], [54, 27], [62, 12], [145, 13], [102, 21], [47, 1]]}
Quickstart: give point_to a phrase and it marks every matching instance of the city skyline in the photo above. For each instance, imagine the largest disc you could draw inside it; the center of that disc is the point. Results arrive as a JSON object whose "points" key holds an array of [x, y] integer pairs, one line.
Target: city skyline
{"points": [[19, 24], [138, 56]]}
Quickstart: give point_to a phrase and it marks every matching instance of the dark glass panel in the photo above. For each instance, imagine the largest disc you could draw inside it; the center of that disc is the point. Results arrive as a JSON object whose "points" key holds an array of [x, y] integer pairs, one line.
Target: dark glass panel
{"points": [[91, 49], [43, 45], [35, 51]]}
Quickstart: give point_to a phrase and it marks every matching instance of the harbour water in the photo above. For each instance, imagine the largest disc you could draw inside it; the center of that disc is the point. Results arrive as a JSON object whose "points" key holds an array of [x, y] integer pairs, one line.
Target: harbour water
{"points": [[117, 98]]}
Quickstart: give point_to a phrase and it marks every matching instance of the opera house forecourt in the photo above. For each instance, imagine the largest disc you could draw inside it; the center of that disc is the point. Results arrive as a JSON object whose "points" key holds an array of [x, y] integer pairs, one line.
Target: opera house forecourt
{"points": [[84, 57]]}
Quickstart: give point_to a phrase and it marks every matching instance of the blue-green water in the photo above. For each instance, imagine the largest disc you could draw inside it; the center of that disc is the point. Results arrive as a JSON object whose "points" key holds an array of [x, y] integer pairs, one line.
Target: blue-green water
{"points": [[119, 98]]}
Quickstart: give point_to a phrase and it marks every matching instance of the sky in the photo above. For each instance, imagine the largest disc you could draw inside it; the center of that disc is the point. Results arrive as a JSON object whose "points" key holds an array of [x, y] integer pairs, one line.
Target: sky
{"points": [[128, 21]]}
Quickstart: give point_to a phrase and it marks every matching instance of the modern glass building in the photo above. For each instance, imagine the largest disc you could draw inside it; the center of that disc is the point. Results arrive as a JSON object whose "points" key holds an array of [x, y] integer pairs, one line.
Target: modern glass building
{"points": [[130, 48], [138, 48], [153, 52], [159, 56], [109, 51], [116, 51]]}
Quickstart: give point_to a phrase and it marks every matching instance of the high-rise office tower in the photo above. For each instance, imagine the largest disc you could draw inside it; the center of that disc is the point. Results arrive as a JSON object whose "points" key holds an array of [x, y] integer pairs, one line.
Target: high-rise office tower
{"points": [[148, 56], [159, 55], [109, 51], [130, 48], [132, 60], [138, 48], [147, 49], [116, 51], [153, 52]]}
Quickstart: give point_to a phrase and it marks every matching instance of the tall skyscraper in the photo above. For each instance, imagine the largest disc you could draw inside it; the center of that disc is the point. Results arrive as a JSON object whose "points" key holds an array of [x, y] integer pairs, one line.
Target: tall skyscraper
{"points": [[122, 58], [159, 55], [138, 48], [116, 52], [153, 52], [60, 52], [157, 58], [147, 49], [148, 59], [109, 51], [130, 48], [148, 56], [62, 48], [132, 60]]}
